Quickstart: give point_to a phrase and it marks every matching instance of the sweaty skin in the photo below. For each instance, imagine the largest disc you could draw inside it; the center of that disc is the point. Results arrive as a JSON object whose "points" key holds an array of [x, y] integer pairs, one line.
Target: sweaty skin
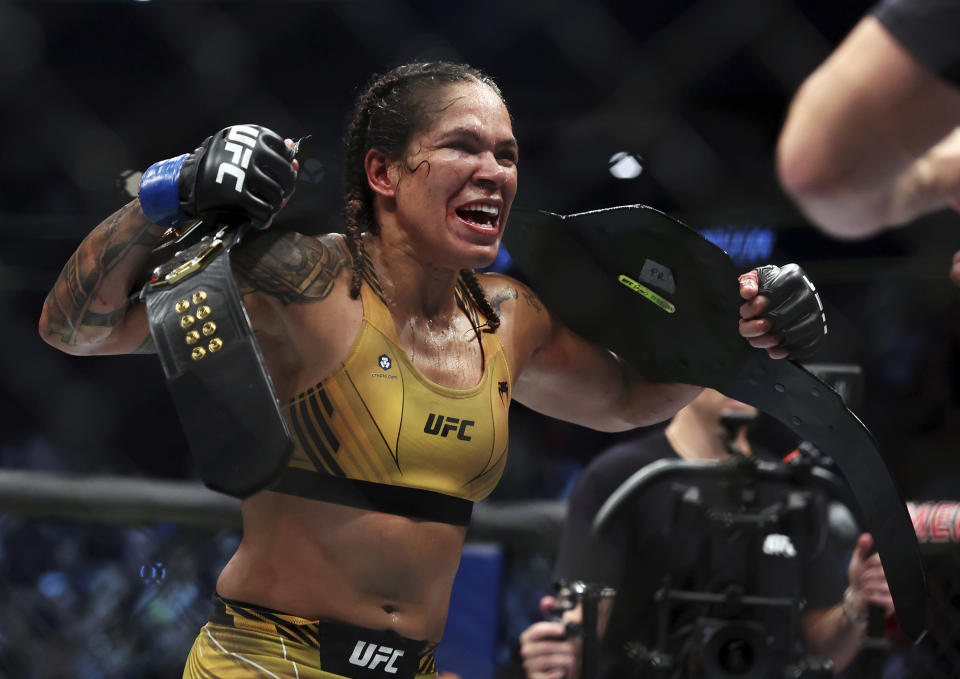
{"points": [[371, 569]]}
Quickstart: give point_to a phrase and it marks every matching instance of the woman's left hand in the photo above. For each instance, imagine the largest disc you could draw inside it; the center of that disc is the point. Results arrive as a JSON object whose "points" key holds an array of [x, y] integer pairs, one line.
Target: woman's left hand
{"points": [[782, 313]]}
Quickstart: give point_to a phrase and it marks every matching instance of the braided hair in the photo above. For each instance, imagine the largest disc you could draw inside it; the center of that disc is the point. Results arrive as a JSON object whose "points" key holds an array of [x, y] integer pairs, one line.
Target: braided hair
{"points": [[387, 115]]}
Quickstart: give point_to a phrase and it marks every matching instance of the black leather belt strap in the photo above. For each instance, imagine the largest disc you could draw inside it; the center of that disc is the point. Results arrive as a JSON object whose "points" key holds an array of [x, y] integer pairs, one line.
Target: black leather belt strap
{"points": [[665, 299], [215, 371]]}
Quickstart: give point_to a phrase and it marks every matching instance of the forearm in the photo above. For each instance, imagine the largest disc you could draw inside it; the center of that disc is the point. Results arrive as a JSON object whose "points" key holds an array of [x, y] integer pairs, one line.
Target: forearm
{"points": [[88, 303], [931, 183], [860, 208], [828, 633], [855, 130]]}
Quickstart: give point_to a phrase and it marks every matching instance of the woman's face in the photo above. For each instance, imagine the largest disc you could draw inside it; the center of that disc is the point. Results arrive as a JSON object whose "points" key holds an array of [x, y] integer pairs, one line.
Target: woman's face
{"points": [[455, 202]]}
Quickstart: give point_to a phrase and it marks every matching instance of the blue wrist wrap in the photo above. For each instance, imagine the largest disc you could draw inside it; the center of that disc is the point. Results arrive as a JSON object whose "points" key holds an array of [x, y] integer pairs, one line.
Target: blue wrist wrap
{"points": [[160, 192]]}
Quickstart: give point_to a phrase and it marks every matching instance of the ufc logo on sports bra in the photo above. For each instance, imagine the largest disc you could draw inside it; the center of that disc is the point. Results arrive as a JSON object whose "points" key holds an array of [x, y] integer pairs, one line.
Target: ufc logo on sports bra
{"points": [[441, 425], [240, 142], [368, 654]]}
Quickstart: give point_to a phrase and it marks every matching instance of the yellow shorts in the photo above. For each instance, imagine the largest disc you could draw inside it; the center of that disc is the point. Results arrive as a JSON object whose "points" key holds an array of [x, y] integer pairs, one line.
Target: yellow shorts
{"points": [[244, 641]]}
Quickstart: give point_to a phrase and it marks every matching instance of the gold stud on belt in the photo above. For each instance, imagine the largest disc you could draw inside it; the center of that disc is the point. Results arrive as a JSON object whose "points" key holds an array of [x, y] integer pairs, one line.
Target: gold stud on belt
{"points": [[209, 327]]}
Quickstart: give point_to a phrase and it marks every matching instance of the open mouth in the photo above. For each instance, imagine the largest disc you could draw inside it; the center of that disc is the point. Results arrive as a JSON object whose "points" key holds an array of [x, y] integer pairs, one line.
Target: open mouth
{"points": [[483, 217]]}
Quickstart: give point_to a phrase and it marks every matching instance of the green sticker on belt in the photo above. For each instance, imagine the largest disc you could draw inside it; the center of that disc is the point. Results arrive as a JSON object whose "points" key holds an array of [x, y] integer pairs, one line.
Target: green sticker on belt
{"points": [[648, 293]]}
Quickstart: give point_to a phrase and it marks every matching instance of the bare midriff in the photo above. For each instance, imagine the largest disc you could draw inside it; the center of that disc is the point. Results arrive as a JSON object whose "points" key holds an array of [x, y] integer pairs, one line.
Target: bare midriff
{"points": [[323, 561]]}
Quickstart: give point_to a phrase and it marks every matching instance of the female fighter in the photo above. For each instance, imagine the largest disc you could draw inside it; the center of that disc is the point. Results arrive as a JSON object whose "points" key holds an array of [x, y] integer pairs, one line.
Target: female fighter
{"points": [[395, 363]]}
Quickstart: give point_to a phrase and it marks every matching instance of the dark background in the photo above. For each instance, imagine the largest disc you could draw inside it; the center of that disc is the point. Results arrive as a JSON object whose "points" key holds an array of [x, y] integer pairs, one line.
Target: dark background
{"points": [[91, 92]]}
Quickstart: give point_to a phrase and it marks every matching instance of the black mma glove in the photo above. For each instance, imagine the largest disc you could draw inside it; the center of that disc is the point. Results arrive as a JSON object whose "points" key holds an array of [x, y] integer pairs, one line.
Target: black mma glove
{"points": [[243, 172], [795, 309]]}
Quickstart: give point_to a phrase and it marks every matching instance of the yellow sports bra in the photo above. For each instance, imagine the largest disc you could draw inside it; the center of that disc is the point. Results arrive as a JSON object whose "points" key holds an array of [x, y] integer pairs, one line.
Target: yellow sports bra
{"points": [[378, 434]]}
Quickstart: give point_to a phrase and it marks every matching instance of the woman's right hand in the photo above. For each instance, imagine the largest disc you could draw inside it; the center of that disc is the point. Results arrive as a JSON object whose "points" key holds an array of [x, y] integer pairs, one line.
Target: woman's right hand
{"points": [[546, 651], [243, 172]]}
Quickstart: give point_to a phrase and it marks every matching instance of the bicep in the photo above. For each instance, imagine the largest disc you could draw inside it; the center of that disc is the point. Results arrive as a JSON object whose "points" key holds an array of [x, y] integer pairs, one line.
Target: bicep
{"points": [[106, 332], [571, 379], [134, 333]]}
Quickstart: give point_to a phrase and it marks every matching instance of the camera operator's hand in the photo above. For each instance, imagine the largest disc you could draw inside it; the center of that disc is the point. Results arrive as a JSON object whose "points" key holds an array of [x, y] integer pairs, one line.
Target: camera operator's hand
{"points": [[546, 650], [244, 172], [783, 312], [867, 582]]}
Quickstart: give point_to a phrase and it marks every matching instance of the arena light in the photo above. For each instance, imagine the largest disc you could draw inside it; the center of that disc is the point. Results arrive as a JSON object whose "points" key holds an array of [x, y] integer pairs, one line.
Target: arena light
{"points": [[625, 165], [745, 244]]}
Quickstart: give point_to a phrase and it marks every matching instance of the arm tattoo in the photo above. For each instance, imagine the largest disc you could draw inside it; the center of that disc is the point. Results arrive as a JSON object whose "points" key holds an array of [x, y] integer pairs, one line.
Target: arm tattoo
{"points": [[290, 266], [109, 320], [85, 273], [502, 296]]}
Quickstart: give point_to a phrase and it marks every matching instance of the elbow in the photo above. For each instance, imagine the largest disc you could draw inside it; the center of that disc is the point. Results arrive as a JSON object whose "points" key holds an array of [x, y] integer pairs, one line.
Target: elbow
{"points": [[822, 168], [809, 151], [814, 179], [58, 335], [48, 331], [52, 334], [804, 172]]}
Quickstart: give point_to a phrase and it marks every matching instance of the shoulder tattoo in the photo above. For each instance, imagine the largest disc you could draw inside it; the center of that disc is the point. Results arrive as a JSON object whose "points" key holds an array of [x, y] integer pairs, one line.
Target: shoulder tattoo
{"points": [[509, 292], [503, 295], [532, 300], [290, 266]]}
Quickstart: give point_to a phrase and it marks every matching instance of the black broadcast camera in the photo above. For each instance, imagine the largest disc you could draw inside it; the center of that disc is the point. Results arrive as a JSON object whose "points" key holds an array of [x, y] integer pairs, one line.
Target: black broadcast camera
{"points": [[718, 622], [707, 618]]}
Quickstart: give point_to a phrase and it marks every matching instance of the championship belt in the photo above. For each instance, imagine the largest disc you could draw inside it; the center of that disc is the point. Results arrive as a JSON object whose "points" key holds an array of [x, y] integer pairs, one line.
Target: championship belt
{"points": [[665, 299], [215, 372]]}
